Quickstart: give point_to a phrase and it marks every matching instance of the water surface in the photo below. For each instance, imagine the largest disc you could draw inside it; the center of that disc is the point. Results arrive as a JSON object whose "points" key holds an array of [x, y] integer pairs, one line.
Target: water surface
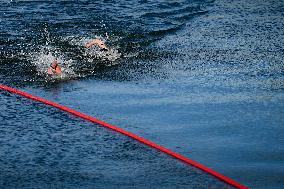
{"points": [[203, 78]]}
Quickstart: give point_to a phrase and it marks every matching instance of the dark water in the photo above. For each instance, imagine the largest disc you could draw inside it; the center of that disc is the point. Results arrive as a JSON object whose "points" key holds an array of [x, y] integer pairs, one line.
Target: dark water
{"points": [[204, 78]]}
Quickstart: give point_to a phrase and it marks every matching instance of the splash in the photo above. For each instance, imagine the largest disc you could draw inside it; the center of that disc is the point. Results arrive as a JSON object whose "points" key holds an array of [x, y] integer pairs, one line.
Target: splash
{"points": [[69, 63], [94, 54], [91, 56], [48, 54]]}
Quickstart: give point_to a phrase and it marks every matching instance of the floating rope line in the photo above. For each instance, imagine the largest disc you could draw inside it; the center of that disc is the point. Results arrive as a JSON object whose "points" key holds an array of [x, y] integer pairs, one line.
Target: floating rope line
{"points": [[129, 134]]}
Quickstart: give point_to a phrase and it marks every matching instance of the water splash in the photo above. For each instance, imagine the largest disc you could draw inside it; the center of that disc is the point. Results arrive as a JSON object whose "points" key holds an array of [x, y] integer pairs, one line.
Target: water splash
{"points": [[48, 54], [94, 54], [70, 65]]}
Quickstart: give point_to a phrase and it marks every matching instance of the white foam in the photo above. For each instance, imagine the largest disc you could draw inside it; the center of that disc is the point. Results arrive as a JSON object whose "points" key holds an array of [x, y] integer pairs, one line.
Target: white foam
{"points": [[48, 53], [46, 56]]}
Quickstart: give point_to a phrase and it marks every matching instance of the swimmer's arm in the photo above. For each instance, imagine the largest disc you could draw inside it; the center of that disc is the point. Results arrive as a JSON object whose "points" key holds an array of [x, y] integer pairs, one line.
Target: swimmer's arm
{"points": [[96, 42], [89, 44]]}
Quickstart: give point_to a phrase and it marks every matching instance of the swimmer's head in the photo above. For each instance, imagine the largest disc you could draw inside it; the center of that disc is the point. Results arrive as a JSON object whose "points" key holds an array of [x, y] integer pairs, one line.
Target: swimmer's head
{"points": [[54, 64], [54, 68]]}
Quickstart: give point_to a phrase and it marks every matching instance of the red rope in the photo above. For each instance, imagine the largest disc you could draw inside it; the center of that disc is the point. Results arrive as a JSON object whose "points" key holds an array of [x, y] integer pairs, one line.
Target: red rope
{"points": [[129, 134]]}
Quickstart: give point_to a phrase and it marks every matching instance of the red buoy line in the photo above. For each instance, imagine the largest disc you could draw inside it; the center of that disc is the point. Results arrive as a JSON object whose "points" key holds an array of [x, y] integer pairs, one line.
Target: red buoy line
{"points": [[127, 133]]}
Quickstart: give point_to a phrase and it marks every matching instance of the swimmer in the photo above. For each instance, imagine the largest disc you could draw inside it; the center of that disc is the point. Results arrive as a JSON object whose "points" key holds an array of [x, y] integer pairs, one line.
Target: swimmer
{"points": [[98, 43], [54, 68]]}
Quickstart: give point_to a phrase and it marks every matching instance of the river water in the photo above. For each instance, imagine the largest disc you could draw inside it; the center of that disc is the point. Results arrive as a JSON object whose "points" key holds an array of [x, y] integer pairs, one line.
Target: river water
{"points": [[203, 78]]}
